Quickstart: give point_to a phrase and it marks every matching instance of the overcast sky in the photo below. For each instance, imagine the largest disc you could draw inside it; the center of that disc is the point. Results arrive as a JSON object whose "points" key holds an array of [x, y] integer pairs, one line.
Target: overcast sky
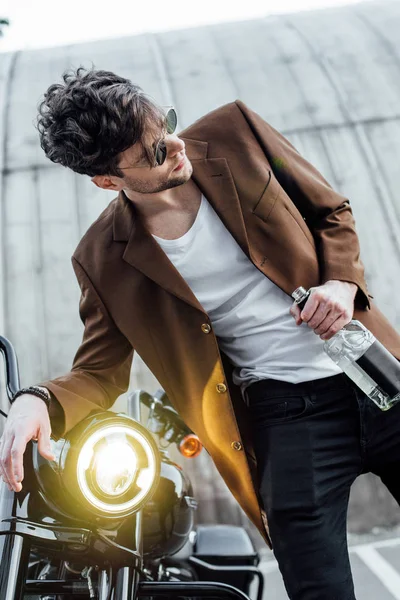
{"points": [[44, 23]]}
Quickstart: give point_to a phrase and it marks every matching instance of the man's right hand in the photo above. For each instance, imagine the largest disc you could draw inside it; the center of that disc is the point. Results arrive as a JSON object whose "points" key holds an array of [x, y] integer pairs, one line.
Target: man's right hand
{"points": [[27, 419]]}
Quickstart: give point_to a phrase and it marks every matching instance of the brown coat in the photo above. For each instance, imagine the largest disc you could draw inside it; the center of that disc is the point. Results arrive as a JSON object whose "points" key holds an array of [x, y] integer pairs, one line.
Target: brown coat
{"points": [[290, 223]]}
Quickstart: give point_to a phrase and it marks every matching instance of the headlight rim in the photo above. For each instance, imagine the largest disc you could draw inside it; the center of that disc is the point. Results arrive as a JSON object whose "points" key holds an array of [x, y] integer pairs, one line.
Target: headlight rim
{"points": [[65, 469], [126, 508]]}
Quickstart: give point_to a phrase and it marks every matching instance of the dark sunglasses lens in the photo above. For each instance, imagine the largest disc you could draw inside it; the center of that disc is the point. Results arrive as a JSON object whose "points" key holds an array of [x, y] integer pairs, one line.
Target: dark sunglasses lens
{"points": [[161, 153], [171, 120]]}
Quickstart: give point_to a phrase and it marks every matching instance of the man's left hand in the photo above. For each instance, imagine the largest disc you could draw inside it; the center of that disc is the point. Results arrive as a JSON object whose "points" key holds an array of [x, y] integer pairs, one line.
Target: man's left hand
{"points": [[329, 308]]}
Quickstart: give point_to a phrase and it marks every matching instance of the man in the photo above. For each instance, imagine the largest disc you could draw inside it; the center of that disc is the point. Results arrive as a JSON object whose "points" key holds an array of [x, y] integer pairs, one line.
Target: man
{"points": [[193, 266]]}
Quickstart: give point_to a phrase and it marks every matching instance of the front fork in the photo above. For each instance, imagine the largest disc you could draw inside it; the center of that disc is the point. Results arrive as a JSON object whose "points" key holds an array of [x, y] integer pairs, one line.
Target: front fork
{"points": [[126, 584], [15, 555], [13, 565]]}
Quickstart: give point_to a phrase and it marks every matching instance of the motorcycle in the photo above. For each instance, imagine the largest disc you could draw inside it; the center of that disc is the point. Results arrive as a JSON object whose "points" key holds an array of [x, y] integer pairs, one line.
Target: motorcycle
{"points": [[112, 518]]}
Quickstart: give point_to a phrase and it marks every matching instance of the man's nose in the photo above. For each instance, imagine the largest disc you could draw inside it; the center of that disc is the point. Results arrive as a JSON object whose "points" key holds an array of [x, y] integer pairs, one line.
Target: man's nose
{"points": [[175, 145]]}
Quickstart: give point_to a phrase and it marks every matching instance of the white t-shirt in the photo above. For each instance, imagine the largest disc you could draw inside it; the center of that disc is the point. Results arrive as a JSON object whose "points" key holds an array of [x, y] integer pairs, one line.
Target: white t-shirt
{"points": [[249, 313]]}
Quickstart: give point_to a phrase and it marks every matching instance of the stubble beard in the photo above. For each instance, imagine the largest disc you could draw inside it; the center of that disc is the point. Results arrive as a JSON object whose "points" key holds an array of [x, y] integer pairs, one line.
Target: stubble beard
{"points": [[153, 187]]}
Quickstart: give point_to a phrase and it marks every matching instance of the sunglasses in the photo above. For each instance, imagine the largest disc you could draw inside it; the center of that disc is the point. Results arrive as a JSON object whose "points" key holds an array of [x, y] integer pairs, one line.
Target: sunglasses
{"points": [[160, 152], [160, 149]]}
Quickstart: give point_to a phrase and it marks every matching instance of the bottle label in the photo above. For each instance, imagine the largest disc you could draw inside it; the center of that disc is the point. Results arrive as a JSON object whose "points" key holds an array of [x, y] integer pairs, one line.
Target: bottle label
{"points": [[383, 367]]}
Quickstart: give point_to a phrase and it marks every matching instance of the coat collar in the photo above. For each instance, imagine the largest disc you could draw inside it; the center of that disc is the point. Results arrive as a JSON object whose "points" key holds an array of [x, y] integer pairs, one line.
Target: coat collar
{"points": [[214, 179]]}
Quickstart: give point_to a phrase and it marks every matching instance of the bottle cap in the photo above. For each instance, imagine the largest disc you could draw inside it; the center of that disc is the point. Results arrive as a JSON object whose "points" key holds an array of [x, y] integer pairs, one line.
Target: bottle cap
{"points": [[299, 294]]}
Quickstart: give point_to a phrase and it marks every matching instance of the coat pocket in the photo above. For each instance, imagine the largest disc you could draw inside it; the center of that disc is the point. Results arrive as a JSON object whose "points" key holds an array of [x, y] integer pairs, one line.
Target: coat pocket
{"points": [[268, 198]]}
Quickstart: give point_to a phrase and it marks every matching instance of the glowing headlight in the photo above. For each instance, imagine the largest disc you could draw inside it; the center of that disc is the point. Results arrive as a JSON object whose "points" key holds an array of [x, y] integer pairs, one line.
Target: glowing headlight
{"points": [[117, 468]]}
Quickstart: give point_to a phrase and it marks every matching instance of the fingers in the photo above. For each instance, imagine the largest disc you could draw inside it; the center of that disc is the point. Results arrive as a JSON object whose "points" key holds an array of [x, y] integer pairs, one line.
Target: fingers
{"points": [[335, 326], [14, 462], [295, 312], [12, 457], [26, 420], [303, 315], [322, 319], [5, 458], [44, 445], [15, 471], [307, 312], [322, 315], [328, 319]]}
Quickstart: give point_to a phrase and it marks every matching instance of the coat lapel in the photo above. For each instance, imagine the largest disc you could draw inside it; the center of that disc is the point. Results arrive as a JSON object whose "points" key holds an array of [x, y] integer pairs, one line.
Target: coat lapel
{"points": [[214, 179]]}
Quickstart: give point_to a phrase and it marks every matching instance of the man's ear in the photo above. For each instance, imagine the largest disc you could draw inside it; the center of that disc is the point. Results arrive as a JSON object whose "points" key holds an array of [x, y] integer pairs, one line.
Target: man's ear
{"points": [[106, 183]]}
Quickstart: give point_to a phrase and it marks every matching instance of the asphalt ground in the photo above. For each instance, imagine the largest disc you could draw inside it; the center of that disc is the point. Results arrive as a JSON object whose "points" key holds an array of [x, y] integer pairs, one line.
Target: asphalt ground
{"points": [[375, 563]]}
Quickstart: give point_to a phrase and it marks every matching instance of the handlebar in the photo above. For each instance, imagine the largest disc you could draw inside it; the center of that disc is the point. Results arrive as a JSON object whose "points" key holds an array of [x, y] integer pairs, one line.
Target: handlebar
{"points": [[11, 367], [162, 414]]}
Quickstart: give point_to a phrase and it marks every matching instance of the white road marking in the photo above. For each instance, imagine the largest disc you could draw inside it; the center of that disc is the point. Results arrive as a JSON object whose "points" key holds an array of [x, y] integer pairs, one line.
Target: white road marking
{"points": [[381, 568], [386, 543]]}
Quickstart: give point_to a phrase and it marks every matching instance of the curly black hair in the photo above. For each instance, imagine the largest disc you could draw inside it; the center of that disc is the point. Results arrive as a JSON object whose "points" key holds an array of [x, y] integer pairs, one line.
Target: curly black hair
{"points": [[87, 121]]}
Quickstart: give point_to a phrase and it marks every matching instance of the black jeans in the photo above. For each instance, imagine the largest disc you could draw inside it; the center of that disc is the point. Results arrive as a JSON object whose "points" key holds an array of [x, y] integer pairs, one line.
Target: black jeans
{"points": [[311, 441]]}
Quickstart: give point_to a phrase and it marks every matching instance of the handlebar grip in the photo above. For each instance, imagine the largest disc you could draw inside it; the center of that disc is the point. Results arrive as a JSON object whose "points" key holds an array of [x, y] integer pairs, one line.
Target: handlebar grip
{"points": [[162, 408]]}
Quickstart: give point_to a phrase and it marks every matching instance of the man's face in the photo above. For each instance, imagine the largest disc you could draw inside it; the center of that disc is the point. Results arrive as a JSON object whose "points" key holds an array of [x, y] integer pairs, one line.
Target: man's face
{"points": [[141, 178]]}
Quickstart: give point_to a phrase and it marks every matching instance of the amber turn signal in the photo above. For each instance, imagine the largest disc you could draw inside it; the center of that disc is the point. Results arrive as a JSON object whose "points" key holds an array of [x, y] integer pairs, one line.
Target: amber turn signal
{"points": [[190, 446]]}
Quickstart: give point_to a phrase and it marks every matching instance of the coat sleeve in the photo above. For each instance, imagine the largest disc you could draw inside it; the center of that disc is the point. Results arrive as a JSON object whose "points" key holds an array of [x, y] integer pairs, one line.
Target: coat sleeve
{"points": [[328, 214], [101, 367]]}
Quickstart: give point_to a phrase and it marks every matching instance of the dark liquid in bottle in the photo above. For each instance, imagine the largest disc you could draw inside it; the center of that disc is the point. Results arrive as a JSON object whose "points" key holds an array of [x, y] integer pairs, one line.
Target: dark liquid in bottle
{"points": [[383, 367]]}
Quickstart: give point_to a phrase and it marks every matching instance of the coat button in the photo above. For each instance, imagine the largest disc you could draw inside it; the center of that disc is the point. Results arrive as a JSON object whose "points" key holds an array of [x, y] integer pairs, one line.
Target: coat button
{"points": [[221, 388], [206, 328], [236, 445]]}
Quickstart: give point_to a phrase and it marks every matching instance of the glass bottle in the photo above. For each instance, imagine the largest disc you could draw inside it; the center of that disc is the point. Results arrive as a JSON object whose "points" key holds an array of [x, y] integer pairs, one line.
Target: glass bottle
{"points": [[363, 358]]}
